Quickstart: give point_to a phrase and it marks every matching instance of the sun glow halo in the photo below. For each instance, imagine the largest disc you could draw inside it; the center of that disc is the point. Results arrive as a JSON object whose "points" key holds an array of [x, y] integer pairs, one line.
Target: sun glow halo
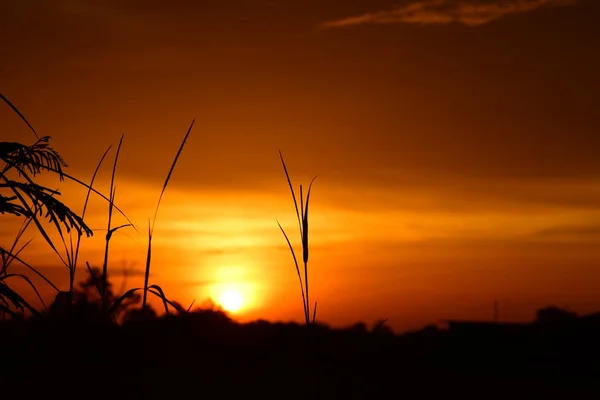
{"points": [[231, 300]]}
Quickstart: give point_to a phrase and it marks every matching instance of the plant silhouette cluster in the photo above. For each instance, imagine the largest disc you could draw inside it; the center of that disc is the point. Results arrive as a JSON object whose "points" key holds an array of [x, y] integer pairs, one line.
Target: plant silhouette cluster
{"points": [[22, 197], [95, 343]]}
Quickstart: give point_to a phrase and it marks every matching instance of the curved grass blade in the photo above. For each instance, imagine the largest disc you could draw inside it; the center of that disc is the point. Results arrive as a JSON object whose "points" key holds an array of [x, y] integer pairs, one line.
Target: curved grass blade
{"points": [[115, 305], [157, 291], [147, 269], [297, 270], [29, 282], [287, 175], [85, 205], [305, 246], [11, 251], [16, 110], [16, 299], [190, 307], [171, 171], [80, 182], [151, 225], [49, 282], [113, 230], [11, 256], [109, 232]]}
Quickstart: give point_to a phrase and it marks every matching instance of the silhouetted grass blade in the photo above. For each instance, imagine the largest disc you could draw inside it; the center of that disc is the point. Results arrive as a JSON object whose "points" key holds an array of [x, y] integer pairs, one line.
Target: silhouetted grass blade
{"points": [[16, 110]]}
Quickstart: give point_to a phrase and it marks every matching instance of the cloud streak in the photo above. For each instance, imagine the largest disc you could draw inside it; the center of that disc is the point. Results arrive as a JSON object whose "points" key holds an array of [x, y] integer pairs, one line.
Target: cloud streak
{"points": [[577, 232], [443, 12]]}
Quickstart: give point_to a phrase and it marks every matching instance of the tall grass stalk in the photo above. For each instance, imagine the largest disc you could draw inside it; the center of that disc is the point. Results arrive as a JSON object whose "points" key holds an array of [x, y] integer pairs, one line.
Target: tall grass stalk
{"points": [[151, 227], [110, 230], [302, 217], [75, 256], [156, 290]]}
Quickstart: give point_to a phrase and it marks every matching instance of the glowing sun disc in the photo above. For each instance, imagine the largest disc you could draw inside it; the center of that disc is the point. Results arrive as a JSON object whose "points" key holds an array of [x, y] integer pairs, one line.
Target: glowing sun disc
{"points": [[231, 301]]}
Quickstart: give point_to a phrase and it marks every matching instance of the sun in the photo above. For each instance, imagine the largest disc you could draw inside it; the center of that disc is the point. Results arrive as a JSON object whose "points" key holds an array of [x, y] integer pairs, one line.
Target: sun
{"points": [[231, 300]]}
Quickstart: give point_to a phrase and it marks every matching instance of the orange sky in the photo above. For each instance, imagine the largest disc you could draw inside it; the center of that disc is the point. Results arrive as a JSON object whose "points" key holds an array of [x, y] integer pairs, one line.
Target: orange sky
{"points": [[455, 144]]}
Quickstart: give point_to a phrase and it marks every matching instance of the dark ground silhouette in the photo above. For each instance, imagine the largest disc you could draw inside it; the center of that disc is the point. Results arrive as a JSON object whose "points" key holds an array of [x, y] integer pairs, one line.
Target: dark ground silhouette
{"points": [[76, 351], [204, 354]]}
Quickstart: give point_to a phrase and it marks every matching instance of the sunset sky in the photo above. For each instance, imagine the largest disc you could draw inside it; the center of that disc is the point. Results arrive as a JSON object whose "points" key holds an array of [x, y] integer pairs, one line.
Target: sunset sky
{"points": [[456, 143]]}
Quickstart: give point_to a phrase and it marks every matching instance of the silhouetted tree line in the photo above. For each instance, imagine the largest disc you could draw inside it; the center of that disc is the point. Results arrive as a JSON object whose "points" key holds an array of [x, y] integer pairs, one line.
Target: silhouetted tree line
{"points": [[204, 351]]}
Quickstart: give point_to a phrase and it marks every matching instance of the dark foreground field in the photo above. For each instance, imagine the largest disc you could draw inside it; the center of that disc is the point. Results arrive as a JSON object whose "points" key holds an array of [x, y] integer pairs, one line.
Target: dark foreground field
{"points": [[206, 355]]}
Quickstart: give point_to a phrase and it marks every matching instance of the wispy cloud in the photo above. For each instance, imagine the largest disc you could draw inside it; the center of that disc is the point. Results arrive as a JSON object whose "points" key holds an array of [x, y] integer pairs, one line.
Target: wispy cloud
{"points": [[578, 232], [441, 12]]}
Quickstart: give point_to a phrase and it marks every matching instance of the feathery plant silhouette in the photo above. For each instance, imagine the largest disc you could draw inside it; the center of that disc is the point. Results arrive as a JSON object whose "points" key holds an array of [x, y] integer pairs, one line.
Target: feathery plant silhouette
{"points": [[34, 202], [31, 201]]}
